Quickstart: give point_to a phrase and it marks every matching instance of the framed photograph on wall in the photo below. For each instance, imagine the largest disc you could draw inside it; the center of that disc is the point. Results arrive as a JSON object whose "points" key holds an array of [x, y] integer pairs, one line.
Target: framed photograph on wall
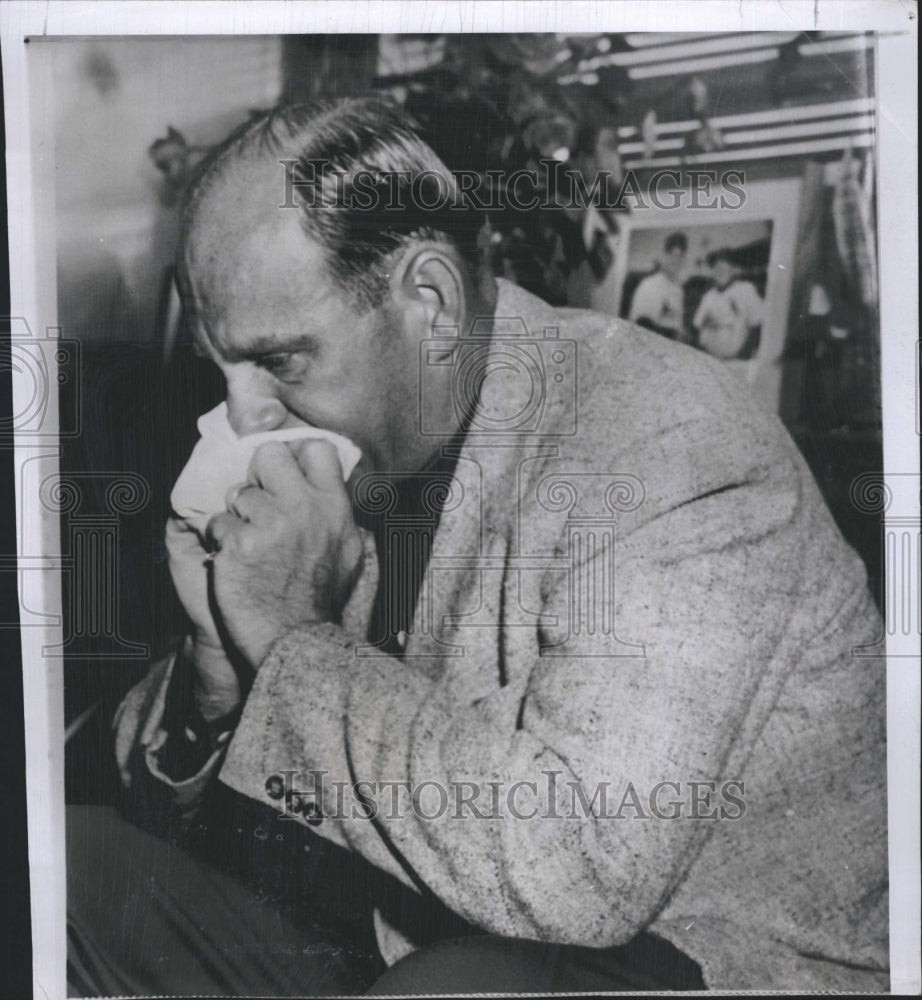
{"points": [[733, 278], [721, 276]]}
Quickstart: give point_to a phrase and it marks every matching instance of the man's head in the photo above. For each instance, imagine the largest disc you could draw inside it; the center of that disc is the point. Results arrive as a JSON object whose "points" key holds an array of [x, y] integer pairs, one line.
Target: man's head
{"points": [[674, 250], [312, 289], [723, 267]]}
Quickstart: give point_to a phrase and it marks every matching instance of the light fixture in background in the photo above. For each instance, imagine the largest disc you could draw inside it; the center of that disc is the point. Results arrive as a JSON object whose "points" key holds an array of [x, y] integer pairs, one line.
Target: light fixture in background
{"points": [[703, 65], [775, 151], [676, 55], [715, 45], [827, 46], [657, 39], [800, 130]]}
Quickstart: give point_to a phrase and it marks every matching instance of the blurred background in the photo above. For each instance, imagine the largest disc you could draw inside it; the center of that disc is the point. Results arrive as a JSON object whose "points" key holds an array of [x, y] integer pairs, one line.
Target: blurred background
{"points": [[793, 113]]}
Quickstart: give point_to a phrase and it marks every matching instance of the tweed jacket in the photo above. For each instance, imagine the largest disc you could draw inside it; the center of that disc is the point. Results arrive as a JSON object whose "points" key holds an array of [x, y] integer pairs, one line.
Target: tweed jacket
{"points": [[639, 612]]}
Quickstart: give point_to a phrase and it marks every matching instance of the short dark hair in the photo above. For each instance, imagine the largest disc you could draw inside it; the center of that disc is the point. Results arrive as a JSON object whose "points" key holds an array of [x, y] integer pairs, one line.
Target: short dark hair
{"points": [[373, 137], [676, 241], [723, 253]]}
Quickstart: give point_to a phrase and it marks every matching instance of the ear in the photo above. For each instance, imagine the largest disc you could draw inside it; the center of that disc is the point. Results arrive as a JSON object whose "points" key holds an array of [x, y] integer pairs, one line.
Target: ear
{"points": [[430, 285]]}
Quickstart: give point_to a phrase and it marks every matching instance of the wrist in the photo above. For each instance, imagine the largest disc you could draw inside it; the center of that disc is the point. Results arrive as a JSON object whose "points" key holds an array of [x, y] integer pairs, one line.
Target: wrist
{"points": [[216, 685], [200, 715]]}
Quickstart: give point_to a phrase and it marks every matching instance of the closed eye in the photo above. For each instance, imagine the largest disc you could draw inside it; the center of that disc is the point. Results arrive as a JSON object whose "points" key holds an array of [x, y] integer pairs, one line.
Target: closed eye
{"points": [[286, 367]]}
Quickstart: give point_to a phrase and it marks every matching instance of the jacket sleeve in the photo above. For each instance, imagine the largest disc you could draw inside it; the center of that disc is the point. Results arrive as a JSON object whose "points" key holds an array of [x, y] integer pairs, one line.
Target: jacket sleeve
{"points": [[697, 585], [143, 740], [149, 720]]}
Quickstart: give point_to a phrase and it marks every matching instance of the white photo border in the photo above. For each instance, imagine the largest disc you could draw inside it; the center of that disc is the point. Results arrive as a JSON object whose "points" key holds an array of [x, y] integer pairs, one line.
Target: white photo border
{"points": [[31, 219]]}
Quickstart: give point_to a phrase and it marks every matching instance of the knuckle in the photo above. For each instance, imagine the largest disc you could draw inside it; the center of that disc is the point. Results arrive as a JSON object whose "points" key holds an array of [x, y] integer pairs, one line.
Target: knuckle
{"points": [[268, 455], [320, 446], [276, 525], [271, 449], [318, 451], [248, 544]]}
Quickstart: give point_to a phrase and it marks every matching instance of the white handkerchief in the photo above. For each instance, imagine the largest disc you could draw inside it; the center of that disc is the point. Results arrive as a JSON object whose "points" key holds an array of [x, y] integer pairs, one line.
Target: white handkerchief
{"points": [[221, 460]]}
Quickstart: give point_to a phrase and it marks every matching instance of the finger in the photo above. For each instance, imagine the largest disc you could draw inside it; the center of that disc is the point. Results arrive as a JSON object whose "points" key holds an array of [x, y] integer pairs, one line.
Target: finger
{"points": [[184, 536], [319, 462], [220, 528], [275, 469], [180, 528], [233, 492], [252, 503]]}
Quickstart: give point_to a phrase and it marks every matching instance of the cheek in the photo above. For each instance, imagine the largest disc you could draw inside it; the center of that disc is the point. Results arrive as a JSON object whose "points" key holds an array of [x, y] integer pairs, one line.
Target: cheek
{"points": [[342, 406], [308, 403], [399, 391]]}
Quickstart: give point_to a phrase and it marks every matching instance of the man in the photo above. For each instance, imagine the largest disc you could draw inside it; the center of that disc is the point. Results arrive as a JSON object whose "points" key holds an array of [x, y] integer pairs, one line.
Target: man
{"points": [[659, 300], [729, 317], [568, 659]]}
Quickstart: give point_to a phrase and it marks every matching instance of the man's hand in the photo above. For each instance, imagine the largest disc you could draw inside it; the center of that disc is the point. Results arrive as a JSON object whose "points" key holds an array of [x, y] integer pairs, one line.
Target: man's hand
{"points": [[288, 550], [217, 681]]}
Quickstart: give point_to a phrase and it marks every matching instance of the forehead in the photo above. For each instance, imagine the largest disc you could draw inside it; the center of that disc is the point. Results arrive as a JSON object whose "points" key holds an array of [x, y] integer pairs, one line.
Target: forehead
{"points": [[251, 269]]}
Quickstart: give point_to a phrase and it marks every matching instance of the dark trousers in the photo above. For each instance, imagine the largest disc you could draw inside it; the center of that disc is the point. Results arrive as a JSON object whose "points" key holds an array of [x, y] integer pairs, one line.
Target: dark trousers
{"points": [[146, 917]]}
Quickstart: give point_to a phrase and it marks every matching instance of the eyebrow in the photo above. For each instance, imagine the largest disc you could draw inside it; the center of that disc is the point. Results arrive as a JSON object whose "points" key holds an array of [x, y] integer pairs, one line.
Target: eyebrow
{"points": [[264, 346]]}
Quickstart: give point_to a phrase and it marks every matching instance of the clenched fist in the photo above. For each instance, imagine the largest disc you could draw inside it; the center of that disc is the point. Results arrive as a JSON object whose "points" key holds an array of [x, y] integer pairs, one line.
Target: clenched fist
{"points": [[287, 551]]}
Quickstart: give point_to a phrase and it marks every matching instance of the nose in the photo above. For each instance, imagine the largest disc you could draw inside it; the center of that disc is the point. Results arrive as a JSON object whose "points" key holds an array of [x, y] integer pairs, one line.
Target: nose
{"points": [[252, 410]]}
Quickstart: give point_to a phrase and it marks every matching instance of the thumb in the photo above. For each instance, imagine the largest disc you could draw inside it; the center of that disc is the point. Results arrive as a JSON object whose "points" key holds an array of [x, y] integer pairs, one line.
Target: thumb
{"points": [[185, 536]]}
